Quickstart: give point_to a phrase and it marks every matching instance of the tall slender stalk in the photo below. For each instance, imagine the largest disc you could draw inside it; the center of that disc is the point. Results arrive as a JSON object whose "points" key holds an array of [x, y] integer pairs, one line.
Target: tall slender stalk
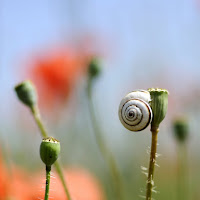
{"points": [[48, 175], [182, 178], [27, 94], [159, 104], [150, 182], [105, 152], [37, 118], [60, 173], [36, 115], [181, 133]]}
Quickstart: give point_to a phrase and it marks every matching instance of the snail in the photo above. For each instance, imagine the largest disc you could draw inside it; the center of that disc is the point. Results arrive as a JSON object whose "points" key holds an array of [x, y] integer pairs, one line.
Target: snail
{"points": [[134, 110]]}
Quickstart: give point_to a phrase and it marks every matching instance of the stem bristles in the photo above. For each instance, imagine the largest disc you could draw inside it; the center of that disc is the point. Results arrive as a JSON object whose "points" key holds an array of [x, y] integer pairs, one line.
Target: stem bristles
{"points": [[152, 163]]}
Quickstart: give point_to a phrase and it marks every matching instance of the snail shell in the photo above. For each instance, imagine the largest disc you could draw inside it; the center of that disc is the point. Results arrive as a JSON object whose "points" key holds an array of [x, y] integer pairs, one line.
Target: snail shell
{"points": [[134, 110]]}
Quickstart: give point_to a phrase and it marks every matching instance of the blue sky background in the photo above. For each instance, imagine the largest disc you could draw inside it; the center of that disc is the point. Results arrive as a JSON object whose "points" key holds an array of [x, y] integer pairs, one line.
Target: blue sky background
{"points": [[152, 43]]}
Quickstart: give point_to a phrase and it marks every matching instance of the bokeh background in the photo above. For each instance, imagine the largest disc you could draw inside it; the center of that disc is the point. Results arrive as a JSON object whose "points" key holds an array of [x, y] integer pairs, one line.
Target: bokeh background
{"points": [[140, 44]]}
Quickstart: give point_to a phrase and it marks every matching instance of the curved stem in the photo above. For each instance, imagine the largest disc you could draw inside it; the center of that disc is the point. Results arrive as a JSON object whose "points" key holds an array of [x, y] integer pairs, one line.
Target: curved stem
{"points": [[48, 175], [60, 173], [106, 153], [150, 182], [36, 115]]}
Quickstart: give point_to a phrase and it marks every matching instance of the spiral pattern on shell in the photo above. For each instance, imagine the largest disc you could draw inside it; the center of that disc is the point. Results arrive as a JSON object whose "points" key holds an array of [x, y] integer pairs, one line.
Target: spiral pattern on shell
{"points": [[134, 110]]}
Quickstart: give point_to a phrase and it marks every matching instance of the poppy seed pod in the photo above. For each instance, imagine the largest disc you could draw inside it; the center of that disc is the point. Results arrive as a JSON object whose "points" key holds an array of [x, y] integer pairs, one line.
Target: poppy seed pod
{"points": [[159, 104], [94, 69], [181, 129], [49, 150], [26, 92]]}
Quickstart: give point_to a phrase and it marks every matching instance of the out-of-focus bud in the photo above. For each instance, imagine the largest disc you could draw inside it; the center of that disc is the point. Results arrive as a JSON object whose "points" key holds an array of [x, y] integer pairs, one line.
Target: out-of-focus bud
{"points": [[94, 68], [181, 128], [159, 104], [26, 92], [49, 150]]}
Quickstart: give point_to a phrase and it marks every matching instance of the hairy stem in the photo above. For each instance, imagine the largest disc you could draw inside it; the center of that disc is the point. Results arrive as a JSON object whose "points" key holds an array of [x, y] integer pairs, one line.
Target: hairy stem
{"points": [[36, 115], [105, 152], [150, 182], [48, 175]]}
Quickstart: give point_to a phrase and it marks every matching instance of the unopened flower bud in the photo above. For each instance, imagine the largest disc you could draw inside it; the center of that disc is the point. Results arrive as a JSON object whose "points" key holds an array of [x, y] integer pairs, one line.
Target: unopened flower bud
{"points": [[94, 68], [49, 150], [159, 104], [181, 128], [26, 92]]}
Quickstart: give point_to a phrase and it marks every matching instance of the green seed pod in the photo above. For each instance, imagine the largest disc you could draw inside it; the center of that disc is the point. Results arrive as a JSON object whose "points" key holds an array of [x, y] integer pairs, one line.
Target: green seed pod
{"points": [[159, 104], [49, 150], [26, 92], [181, 128], [94, 68]]}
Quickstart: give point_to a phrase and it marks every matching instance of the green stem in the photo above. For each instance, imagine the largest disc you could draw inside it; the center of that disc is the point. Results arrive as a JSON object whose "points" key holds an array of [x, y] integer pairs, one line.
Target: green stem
{"points": [[182, 180], [106, 153], [60, 173], [36, 115], [48, 175], [150, 182]]}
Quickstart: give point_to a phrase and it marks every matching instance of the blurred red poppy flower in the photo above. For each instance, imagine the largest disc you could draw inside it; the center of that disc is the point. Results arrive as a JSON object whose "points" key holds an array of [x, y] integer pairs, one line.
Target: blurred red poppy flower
{"points": [[15, 184], [81, 184], [20, 187], [3, 180], [55, 74]]}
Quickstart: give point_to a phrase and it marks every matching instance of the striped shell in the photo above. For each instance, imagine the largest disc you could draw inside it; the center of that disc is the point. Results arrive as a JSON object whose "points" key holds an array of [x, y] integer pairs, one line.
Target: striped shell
{"points": [[134, 110]]}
